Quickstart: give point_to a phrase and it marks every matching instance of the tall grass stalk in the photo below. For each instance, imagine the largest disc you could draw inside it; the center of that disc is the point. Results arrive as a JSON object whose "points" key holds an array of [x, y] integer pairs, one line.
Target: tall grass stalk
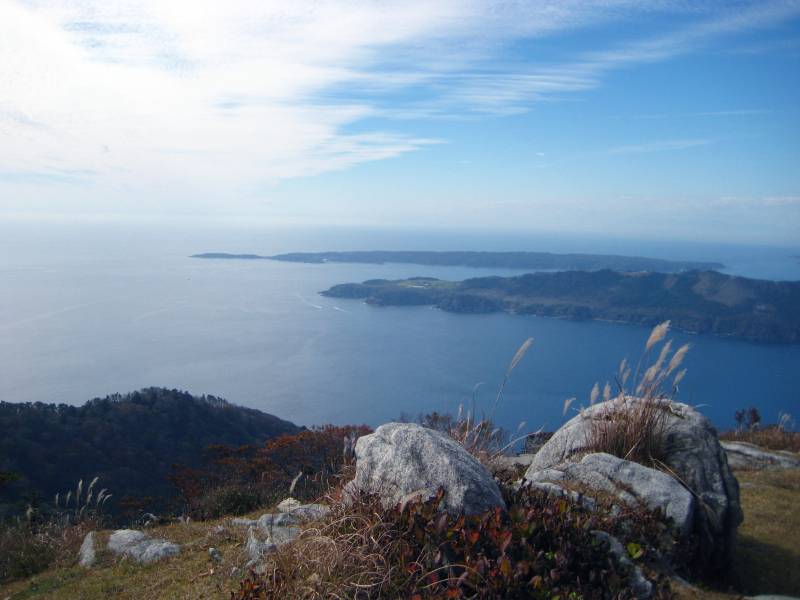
{"points": [[83, 506], [633, 426], [479, 436], [520, 353]]}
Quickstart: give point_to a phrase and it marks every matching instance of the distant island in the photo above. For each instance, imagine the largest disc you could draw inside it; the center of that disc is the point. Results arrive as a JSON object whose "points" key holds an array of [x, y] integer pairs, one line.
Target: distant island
{"points": [[504, 260], [695, 301]]}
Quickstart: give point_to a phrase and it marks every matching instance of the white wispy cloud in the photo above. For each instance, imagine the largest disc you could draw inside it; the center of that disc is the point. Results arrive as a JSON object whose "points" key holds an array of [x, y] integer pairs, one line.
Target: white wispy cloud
{"points": [[658, 146], [205, 98], [710, 113], [781, 200]]}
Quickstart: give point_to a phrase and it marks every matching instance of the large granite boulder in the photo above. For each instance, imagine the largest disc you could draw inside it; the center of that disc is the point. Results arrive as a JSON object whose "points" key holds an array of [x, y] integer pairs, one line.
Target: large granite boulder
{"points": [[140, 547], [630, 482], [692, 454], [404, 459]]}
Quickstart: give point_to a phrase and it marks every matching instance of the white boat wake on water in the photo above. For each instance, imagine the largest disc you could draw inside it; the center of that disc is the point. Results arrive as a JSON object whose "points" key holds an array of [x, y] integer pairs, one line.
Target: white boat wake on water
{"points": [[307, 302], [49, 314]]}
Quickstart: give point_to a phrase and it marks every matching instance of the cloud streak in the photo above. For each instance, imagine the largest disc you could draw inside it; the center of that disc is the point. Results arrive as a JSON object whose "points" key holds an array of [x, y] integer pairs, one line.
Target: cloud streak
{"points": [[202, 99], [658, 146]]}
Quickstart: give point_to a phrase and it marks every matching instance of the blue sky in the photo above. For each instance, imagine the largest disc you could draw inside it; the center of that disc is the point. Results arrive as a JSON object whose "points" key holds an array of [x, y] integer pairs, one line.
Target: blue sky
{"points": [[663, 119]]}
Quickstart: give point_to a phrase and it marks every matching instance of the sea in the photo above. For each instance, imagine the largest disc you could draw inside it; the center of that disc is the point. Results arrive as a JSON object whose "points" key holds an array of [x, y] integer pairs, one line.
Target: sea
{"points": [[89, 309]]}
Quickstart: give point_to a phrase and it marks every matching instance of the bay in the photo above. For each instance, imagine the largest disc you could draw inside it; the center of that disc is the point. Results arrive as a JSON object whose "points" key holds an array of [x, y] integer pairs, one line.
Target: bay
{"points": [[92, 309]]}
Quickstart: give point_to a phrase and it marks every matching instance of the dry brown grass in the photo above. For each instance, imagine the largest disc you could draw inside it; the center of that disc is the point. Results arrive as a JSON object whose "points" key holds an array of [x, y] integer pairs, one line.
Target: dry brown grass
{"points": [[769, 538], [347, 556], [633, 426], [30, 548], [768, 555]]}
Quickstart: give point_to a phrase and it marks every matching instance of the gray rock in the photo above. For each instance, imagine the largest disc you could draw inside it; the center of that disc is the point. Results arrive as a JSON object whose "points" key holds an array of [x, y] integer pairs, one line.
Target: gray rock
{"points": [[749, 457], [86, 555], [288, 505], [152, 550], [267, 522], [559, 492], [304, 512], [401, 458], [508, 463], [120, 541], [256, 548], [235, 572], [630, 482], [140, 547], [148, 520], [311, 512], [212, 552], [693, 454], [640, 587]]}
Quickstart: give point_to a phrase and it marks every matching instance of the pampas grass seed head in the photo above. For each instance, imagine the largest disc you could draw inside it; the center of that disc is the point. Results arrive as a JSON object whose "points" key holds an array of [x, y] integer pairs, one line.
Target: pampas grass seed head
{"points": [[658, 334]]}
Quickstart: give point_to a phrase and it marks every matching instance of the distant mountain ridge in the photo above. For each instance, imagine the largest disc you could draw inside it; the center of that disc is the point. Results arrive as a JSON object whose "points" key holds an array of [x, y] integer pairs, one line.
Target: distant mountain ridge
{"points": [[695, 301], [504, 260], [129, 441]]}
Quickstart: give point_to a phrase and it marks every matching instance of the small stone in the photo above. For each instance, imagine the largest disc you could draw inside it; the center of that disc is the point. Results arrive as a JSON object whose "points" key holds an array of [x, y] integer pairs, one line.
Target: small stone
{"points": [[86, 556], [235, 572], [267, 522], [288, 505], [215, 555], [311, 512]]}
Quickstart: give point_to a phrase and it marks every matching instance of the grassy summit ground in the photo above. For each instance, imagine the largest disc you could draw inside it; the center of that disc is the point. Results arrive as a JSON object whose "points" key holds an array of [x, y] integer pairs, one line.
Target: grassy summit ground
{"points": [[768, 556]]}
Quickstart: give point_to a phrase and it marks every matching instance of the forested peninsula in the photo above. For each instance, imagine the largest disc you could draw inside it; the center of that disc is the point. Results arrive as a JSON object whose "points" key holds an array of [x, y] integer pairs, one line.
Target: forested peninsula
{"points": [[497, 260], [694, 301], [129, 440]]}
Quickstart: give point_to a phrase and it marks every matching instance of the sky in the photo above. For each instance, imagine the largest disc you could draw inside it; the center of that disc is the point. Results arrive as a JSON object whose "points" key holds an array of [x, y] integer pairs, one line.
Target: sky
{"points": [[663, 118]]}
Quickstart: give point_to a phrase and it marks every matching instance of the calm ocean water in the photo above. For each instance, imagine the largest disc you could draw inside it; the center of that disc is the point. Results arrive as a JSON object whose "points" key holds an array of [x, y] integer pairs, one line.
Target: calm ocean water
{"points": [[89, 310]]}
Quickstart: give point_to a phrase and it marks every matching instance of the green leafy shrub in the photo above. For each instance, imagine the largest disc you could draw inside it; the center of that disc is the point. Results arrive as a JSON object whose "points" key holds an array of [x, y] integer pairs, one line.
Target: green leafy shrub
{"points": [[543, 548]]}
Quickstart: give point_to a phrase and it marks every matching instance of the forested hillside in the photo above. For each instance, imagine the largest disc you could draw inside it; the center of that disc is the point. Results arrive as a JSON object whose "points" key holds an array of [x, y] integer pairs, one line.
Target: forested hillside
{"points": [[129, 441], [695, 301]]}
